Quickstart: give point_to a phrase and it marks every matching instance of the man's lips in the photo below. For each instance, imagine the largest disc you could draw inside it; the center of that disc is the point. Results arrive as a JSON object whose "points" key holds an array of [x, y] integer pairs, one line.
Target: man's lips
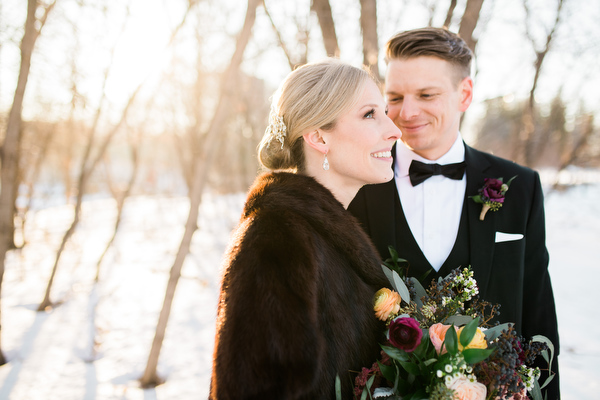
{"points": [[413, 127]]}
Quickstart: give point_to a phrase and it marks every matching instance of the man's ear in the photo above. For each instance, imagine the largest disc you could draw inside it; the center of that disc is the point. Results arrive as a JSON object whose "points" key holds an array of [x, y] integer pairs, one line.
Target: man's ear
{"points": [[315, 140], [465, 90]]}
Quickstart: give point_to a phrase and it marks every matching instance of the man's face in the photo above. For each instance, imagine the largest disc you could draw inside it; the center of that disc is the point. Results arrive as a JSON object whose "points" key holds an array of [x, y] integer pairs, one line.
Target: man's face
{"points": [[425, 99]]}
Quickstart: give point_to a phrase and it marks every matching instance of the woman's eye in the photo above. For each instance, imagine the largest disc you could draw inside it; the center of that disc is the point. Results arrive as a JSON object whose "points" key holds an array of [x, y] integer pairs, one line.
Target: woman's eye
{"points": [[370, 114]]}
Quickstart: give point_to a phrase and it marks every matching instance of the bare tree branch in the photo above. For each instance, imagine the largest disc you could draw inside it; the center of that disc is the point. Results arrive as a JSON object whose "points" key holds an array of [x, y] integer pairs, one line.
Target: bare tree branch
{"points": [[450, 13], [88, 167], [368, 24], [323, 10], [527, 132], [228, 85], [279, 38], [469, 22]]}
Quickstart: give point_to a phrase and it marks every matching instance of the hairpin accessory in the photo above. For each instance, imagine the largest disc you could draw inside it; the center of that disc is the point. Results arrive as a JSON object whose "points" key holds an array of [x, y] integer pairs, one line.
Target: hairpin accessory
{"points": [[326, 163], [276, 128]]}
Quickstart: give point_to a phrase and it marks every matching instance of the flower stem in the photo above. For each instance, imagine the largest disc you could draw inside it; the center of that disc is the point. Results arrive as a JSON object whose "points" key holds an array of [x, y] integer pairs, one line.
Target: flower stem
{"points": [[484, 210]]}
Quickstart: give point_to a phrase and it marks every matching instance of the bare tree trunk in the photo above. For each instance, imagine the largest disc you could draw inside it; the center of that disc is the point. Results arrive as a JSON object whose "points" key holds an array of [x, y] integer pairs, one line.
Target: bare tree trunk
{"points": [[88, 167], [228, 82], [44, 144], [450, 13], [120, 197], [368, 23], [95, 294], [469, 22], [569, 157], [323, 10], [530, 154], [10, 147]]}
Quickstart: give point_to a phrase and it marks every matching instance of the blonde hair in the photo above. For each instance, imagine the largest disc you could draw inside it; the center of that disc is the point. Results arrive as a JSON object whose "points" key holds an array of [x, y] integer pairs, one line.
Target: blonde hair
{"points": [[313, 96]]}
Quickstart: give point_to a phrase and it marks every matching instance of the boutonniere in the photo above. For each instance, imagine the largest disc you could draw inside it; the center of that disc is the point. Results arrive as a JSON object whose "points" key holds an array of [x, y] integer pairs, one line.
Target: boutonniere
{"points": [[491, 195]]}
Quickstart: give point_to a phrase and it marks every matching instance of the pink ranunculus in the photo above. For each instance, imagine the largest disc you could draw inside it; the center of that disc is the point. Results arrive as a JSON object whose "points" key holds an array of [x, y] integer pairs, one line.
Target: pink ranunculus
{"points": [[465, 389], [405, 334], [437, 334]]}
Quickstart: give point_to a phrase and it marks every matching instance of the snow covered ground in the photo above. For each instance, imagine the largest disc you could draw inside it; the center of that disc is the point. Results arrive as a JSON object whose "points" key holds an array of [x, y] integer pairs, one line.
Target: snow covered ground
{"points": [[61, 355]]}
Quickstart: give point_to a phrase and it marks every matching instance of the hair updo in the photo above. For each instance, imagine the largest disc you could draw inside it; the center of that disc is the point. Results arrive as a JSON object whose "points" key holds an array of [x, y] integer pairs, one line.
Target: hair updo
{"points": [[312, 96]]}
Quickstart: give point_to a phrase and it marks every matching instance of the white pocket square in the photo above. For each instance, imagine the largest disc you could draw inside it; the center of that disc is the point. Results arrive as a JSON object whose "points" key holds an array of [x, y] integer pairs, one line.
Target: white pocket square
{"points": [[507, 237]]}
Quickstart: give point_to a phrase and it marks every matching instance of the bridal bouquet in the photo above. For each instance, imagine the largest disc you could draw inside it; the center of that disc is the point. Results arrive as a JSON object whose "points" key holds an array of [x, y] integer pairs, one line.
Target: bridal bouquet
{"points": [[441, 346]]}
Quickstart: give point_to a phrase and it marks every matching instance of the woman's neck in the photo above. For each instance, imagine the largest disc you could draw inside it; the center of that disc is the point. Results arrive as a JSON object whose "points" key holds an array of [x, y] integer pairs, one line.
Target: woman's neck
{"points": [[344, 192]]}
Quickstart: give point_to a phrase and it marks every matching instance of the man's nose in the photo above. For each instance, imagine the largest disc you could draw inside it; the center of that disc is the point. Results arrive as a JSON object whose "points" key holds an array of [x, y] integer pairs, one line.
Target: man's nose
{"points": [[409, 109]]}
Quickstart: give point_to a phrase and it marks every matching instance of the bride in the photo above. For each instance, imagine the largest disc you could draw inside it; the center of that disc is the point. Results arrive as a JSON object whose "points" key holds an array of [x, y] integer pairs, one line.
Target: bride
{"points": [[295, 306]]}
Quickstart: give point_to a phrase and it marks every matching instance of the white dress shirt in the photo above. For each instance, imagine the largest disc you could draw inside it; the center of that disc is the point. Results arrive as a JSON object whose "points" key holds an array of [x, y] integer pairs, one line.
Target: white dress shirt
{"points": [[432, 208]]}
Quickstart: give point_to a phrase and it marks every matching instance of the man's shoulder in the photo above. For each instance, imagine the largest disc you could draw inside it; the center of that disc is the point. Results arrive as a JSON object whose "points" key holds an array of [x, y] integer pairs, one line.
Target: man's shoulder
{"points": [[497, 163]]}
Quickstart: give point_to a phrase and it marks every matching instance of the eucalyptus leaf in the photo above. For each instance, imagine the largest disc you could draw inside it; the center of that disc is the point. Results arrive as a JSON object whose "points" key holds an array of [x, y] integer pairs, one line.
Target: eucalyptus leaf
{"points": [[473, 356], [369, 384], [389, 275], [401, 287], [548, 342], [459, 319], [492, 333], [397, 381], [419, 290], [546, 356], [536, 392], [338, 388], [429, 362], [547, 381]]}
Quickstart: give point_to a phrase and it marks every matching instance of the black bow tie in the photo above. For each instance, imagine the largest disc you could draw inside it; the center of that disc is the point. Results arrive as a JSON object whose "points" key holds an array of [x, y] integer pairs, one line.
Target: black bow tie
{"points": [[419, 171]]}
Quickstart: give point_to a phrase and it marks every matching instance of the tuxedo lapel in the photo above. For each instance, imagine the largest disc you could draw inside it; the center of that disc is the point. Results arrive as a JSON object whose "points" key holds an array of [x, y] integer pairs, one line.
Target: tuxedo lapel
{"points": [[482, 233], [380, 203]]}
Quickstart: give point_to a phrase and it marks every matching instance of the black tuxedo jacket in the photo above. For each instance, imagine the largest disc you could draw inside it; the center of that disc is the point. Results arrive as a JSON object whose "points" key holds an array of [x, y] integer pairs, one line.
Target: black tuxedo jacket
{"points": [[511, 267]]}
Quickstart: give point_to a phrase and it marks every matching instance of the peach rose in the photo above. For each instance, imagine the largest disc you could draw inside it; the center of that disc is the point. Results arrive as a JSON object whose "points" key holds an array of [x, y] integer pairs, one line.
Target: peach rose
{"points": [[478, 341], [465, 389], [437, 334], [385, 303]]}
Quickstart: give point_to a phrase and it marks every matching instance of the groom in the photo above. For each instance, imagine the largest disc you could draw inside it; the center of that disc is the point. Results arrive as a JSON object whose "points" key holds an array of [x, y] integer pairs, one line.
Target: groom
{"points": [[426, 212]]}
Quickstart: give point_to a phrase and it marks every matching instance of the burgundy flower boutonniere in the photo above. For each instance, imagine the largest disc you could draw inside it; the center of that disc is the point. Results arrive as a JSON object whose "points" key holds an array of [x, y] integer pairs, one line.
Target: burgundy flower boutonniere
{"points": [[491, 195]]}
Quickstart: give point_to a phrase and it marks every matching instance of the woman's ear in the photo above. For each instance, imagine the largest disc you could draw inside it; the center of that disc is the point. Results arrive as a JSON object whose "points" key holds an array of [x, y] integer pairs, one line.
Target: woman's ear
{"points": [[315, 140]]}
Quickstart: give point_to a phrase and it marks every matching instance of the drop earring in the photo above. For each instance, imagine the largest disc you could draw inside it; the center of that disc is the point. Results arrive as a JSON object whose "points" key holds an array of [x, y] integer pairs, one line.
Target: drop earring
{"points": [[326, 163]]}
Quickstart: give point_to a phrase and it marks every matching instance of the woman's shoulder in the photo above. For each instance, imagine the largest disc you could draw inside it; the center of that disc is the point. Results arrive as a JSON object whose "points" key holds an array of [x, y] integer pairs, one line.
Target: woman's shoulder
{"points": [[283, 191]]}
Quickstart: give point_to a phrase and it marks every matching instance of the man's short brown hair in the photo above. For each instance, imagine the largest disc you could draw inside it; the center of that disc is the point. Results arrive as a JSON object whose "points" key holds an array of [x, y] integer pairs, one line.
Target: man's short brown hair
{"points": [[433, 42]]}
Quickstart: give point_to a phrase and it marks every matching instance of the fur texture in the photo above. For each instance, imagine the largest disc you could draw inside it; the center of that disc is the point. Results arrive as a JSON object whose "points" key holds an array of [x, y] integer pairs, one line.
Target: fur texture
{"points": [[295, 306]]}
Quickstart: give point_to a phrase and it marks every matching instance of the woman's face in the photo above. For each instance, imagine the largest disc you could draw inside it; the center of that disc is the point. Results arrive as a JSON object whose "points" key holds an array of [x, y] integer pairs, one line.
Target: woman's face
{"points": [[360, 145]]}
